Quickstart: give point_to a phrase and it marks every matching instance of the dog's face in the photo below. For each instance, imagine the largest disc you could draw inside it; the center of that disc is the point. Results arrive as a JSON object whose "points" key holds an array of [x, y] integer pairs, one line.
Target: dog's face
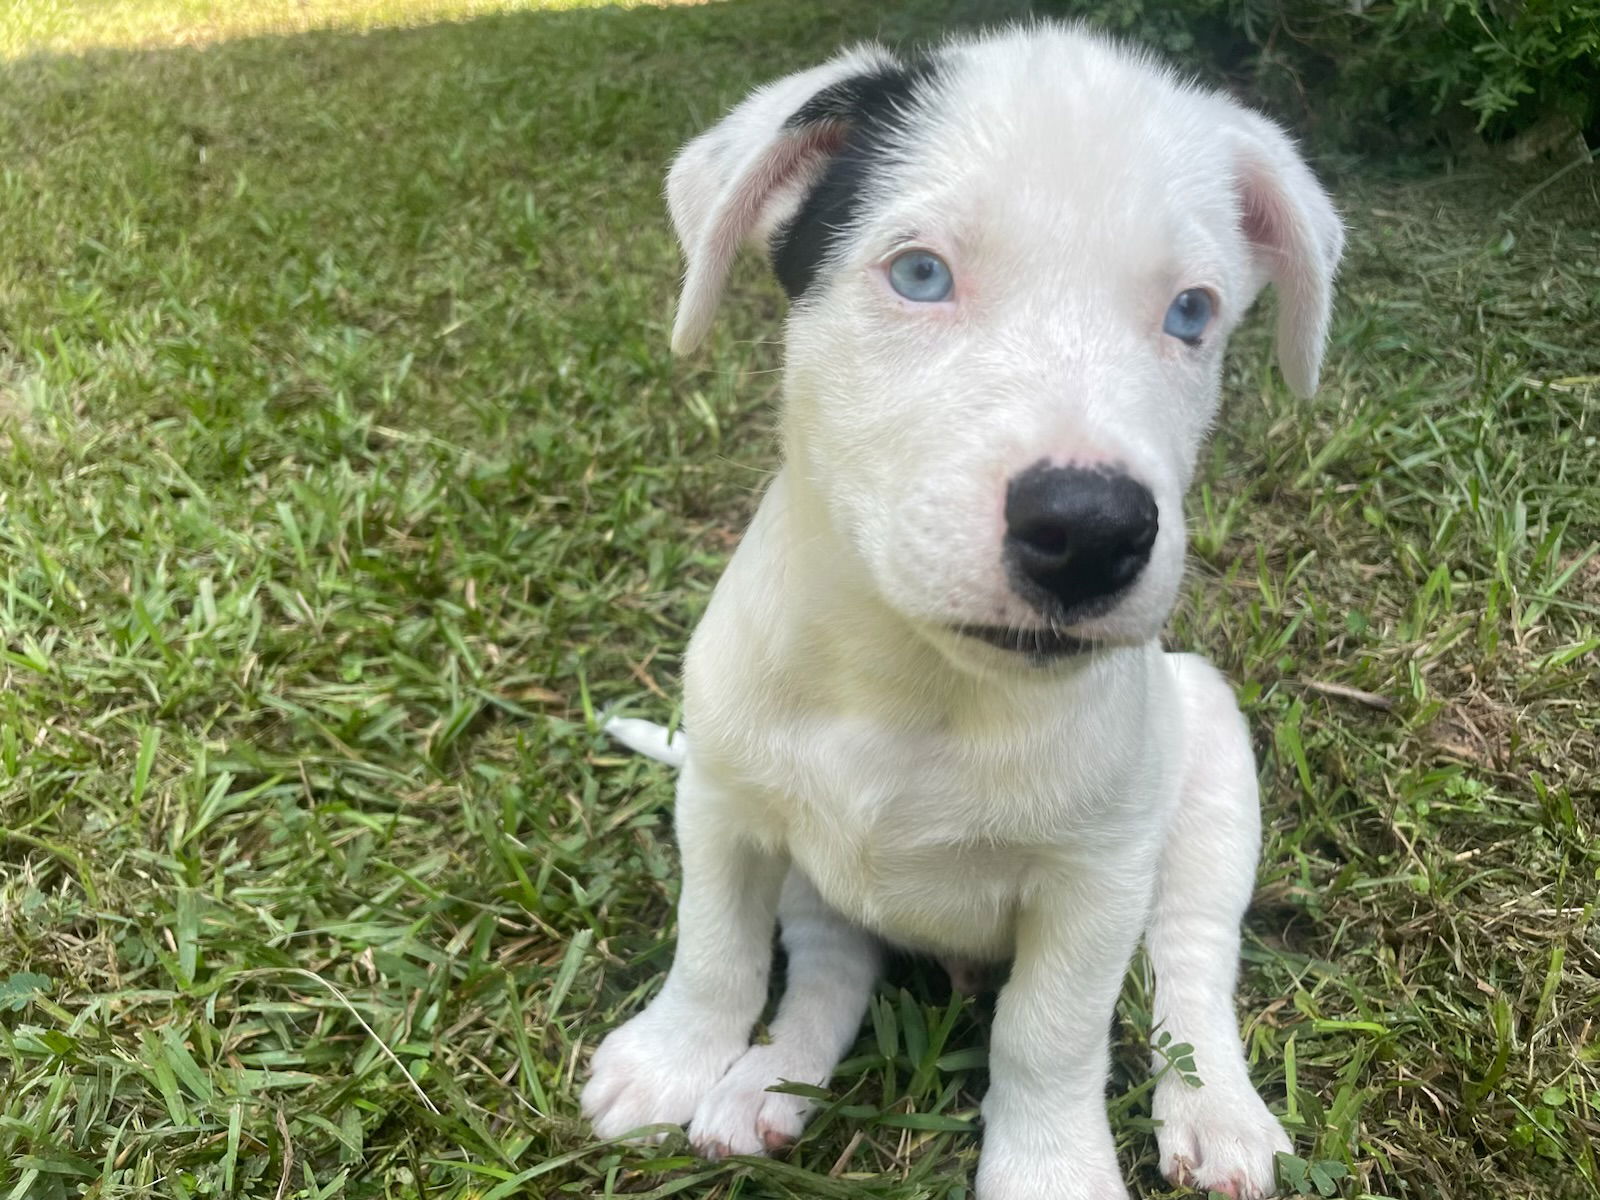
{"points": [[1014, 267]]}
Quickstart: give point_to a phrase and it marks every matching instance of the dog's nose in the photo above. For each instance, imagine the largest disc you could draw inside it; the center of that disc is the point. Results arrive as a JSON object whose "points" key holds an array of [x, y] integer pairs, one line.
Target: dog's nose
{"points": [[1075, 535]]}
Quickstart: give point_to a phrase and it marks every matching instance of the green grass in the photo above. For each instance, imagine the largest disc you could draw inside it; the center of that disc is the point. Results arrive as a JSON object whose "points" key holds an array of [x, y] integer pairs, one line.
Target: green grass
{"points": [[344, 473]]}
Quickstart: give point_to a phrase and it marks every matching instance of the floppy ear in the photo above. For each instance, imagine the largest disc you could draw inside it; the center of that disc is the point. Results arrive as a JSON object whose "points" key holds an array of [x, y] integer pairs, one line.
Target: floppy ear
{"points": [[1295, 238], [748, 174]]}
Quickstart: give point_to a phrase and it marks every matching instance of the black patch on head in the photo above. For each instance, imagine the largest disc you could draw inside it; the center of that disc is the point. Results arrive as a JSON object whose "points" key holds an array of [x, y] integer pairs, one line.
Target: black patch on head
{"points": [[872, 109]]}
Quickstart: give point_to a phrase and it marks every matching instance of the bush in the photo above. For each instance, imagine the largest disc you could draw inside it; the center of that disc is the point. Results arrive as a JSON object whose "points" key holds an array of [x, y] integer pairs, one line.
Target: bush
{"points": [[1407, 70]]}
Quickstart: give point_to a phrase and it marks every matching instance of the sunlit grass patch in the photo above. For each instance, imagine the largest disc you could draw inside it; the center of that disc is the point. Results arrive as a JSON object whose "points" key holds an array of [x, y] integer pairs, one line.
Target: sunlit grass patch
{"points": [[65, 26]]}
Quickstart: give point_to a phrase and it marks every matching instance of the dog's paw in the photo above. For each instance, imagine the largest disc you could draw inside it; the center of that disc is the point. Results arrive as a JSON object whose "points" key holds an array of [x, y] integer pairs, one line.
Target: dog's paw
{"points": [[1219, 1139], [654, 1071], [739, 1115], [1036, 1176], [1035, 1149]]}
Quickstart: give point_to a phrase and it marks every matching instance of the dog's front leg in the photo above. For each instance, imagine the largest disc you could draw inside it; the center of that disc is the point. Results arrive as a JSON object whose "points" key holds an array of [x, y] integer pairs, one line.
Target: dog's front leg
{"points": [[1218, 1136], [832, 967], [657, 1067], [1046, 1136]]}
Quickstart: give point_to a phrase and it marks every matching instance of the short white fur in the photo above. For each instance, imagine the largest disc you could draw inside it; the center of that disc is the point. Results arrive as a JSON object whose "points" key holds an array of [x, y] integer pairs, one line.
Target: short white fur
{"points": [[862, 772]]}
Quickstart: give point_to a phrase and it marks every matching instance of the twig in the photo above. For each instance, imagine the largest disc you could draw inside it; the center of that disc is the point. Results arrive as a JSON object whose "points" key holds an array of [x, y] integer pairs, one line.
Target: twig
{"points": [[1344, 692], [288, 1154], [845, 1156], [1581, 161]]}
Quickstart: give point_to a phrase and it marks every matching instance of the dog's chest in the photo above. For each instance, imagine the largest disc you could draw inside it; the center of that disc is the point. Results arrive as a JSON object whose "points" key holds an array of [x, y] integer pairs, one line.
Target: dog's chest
{"points": [[951, 899], [932, 843]]}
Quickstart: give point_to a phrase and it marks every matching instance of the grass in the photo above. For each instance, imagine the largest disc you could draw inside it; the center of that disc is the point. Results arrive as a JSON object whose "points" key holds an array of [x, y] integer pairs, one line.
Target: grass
{"points": [[345, 474]]}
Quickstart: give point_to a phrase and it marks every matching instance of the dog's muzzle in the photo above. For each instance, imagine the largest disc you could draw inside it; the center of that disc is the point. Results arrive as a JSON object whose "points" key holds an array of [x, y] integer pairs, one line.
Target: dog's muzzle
{"points": [[1076, 537]]}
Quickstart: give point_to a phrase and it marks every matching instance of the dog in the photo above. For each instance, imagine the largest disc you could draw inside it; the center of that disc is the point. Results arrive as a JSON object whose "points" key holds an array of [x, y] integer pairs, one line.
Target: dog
{"points": [[927, 705]]}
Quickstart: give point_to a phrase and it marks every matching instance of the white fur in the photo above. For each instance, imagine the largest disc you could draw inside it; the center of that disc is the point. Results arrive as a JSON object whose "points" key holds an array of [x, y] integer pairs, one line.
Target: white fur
{"points": [[910, 782]]}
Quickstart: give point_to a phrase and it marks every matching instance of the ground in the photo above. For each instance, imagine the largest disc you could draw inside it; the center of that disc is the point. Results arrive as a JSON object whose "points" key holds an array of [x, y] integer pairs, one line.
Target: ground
{"points": [[344, 476]]}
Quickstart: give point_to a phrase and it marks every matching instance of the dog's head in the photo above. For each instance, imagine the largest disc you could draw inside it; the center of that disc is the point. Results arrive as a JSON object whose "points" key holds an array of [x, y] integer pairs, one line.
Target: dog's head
{"points": [[1013, 267]]}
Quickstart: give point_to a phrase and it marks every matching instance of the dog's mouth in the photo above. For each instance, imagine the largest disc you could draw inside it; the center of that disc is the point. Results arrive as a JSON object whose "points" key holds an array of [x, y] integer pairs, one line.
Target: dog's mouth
{"points": [[1036, 643]]}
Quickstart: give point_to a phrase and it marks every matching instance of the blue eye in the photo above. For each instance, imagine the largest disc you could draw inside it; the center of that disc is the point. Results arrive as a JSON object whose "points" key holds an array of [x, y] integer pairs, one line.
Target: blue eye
{"points": [[922, 276], [1189, 315]]}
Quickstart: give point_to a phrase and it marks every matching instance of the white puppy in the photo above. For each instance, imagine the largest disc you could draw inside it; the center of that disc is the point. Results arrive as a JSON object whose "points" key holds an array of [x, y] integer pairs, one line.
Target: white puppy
{"points": [[927, 703]]}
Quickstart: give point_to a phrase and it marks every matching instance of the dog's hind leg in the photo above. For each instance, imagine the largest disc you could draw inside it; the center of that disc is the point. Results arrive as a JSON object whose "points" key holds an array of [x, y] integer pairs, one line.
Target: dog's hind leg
{"points": [[1219, 1135], [832, 967]]}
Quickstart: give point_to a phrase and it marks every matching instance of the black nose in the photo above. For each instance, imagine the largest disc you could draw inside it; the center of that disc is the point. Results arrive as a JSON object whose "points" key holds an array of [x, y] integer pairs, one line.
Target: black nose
{"points": [[1075, 535]]}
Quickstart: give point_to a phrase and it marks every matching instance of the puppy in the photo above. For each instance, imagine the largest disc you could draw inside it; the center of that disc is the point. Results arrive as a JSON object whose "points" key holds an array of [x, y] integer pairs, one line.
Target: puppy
{"points": [[927, 704]]}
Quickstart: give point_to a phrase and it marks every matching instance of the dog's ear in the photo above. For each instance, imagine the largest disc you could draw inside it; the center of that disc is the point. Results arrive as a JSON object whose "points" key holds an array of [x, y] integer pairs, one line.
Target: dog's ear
{"points": [[748, 174], [1296, 239]]}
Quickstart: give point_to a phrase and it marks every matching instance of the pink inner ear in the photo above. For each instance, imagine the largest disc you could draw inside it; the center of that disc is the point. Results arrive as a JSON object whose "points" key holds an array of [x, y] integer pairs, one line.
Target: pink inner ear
{"points": [[1260, 217], [790, 156], [1276, 228], [737, 215]]}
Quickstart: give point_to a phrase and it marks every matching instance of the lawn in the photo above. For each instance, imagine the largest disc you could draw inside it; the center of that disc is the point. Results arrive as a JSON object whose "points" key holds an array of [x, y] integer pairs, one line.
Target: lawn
{"points": [[344, 476]]}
